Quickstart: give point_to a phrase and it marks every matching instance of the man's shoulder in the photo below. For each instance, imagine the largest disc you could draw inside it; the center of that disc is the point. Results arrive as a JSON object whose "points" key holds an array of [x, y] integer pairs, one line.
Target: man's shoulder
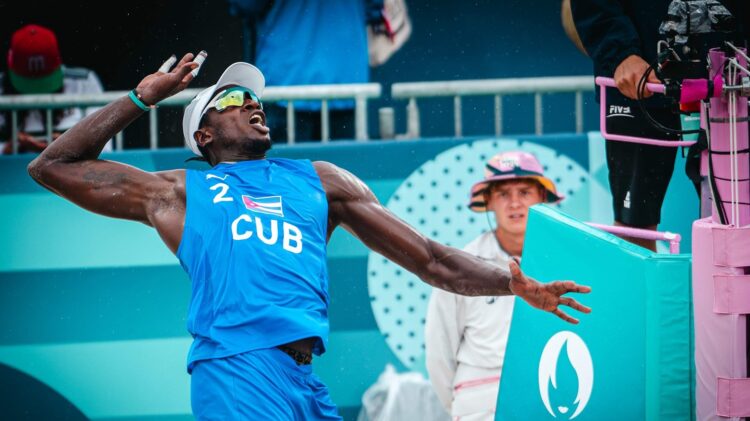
{"points": [[324, 165], [327, 171]]}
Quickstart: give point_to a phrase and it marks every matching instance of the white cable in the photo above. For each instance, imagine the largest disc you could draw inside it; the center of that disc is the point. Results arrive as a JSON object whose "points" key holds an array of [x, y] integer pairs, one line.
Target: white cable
{"points": [[736, 148], [730, 79], [733, 145], [738, 51], [738, 66]]}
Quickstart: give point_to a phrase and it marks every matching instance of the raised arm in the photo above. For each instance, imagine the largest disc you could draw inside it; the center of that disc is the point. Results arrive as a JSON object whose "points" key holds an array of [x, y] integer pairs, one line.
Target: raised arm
{"points": [[353, 206], [71, 168]]}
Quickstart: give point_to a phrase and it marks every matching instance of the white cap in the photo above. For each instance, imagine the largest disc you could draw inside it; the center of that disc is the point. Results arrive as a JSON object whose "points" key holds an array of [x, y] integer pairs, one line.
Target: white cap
{"points": [[240, 74]]}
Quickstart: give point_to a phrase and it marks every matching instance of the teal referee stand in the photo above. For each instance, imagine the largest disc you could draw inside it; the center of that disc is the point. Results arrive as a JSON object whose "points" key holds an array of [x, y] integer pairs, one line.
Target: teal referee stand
{"points": [[630, 359]]}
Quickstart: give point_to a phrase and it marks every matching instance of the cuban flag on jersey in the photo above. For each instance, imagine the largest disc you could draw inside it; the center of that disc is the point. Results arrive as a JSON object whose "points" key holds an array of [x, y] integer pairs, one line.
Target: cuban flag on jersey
{"points": [[270, 204]]}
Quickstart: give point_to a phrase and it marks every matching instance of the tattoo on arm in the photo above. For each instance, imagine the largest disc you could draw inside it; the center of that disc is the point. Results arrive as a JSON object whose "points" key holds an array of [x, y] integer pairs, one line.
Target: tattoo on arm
{"points": [[104, 178]]}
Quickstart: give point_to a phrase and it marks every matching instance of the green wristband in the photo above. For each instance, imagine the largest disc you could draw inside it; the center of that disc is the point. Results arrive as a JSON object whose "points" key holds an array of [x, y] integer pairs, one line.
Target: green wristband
{"points": [[137, 101]]}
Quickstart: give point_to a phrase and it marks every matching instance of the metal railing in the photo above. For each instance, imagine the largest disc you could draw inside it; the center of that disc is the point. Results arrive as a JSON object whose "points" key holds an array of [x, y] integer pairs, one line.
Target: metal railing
{"points": [[360, 93], [499, 88]]}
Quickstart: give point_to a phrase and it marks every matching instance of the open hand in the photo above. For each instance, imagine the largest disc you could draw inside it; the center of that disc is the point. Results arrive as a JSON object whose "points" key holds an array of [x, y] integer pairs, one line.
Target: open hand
{"points": [[547, 297], [164, 83]]}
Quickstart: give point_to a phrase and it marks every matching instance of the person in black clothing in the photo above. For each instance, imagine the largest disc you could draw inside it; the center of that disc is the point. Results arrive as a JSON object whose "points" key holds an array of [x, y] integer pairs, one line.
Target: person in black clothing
{"points": [[621, 38]]}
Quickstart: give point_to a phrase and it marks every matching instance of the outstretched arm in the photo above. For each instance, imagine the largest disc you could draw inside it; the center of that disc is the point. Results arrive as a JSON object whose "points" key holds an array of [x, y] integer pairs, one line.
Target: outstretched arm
{"points": [[70, 166], [353, 206]]}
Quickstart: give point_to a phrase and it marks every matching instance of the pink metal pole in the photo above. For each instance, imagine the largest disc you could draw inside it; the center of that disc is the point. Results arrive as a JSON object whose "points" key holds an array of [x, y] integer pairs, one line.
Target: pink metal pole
{"points": [[721, 129], [673, 238], [604, 82]]}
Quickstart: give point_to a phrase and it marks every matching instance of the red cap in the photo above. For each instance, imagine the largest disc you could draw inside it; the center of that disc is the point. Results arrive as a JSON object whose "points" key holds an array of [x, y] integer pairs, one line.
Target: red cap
{"points": [[34, 61]]}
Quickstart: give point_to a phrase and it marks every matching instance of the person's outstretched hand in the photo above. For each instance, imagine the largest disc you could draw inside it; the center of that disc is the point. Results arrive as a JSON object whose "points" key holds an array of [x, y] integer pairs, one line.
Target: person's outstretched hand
{"points": [[547, 297], [629, 72], [160, 85]]}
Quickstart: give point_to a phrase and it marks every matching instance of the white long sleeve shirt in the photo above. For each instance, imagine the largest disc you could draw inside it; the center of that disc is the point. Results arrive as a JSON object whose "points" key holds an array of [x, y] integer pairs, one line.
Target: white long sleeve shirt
{"points": [[465, 340]]}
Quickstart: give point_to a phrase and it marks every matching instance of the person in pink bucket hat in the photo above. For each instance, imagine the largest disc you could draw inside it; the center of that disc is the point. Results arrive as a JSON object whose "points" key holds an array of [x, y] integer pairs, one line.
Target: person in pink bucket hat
{"points": [[465, 337]]}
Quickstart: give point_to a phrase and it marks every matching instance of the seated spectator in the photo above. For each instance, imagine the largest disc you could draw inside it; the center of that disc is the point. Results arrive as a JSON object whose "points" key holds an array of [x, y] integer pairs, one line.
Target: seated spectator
{"points": [[465, 337], [35, 67]]}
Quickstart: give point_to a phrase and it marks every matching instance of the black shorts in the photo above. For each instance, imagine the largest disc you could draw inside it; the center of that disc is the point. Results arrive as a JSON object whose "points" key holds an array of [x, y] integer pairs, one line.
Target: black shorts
{"points": [[639, 174]]}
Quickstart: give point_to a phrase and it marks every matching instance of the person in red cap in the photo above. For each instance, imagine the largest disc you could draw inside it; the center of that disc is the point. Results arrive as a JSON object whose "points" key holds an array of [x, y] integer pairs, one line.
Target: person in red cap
{"points": [[465, 337], [35, 67]]}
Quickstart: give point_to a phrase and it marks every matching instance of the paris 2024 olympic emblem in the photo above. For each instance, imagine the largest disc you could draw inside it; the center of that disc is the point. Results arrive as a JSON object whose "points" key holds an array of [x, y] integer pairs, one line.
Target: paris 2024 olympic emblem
{"points": [[555, 368]]}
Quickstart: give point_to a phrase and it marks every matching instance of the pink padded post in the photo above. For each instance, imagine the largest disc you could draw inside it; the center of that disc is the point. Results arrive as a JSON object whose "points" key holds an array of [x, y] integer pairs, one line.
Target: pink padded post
{"points": [[733, 396], [732, 294], [731, 246], [720, 339]]}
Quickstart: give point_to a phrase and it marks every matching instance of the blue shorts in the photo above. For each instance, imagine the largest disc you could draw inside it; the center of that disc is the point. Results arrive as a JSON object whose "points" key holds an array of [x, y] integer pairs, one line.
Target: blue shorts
{"points": [[259, 385]]}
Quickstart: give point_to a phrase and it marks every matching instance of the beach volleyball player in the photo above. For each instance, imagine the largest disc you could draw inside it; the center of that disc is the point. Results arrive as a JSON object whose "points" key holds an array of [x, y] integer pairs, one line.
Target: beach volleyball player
{"points": [[251, 233]]}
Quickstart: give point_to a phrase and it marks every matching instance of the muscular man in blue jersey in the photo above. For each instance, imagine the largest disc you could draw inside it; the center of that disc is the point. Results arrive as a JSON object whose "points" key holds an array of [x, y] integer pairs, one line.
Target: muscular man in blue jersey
{"points": [[251, 233]]}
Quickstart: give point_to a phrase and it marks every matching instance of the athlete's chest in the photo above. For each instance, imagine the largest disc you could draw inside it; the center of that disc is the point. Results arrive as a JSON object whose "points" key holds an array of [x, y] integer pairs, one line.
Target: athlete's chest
{"points": [[279, 209]]}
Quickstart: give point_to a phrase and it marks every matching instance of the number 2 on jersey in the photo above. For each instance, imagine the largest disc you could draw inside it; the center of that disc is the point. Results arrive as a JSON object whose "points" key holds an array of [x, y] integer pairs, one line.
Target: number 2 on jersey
{"points": [[221, 196]]}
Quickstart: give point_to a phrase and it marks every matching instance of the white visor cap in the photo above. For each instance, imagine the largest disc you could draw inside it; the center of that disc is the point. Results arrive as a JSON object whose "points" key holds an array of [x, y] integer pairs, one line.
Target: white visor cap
{"points": [[240, 74]]}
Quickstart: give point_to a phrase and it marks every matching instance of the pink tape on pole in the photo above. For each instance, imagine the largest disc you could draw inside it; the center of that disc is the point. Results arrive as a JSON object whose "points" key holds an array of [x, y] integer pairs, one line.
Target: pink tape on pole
{"points": [[732, 294], [733, 397], [731, 246], [692, 90]]}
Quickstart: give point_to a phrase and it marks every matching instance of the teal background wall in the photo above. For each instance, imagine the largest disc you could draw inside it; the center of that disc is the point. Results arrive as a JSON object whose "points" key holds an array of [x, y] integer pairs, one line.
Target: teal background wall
{"points": [[92, 310]]}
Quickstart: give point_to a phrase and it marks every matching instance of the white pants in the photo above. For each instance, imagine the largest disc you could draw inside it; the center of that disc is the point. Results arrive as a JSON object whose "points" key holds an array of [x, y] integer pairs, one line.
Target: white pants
{"points": [[475, 400]]}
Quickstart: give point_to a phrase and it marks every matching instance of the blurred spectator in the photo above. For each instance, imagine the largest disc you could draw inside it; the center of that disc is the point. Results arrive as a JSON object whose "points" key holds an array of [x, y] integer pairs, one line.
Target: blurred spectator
{"points": [[465, 337], [621, 37], [35, 67], [307, 42]]}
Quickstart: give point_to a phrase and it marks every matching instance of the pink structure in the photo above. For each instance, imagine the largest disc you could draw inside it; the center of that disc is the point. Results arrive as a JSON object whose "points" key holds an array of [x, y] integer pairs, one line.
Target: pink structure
{"points": [[721, 258], [721, 242], [653, 87], [673, 238]]}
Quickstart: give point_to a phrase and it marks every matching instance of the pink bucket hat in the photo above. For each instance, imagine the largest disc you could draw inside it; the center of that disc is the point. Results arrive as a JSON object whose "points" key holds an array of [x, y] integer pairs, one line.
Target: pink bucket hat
{"points": [[507, 166]]}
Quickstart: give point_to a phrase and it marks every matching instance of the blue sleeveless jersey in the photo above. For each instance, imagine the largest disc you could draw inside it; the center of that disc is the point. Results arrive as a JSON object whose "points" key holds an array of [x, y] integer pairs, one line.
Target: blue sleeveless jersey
{"points": [[254, 246]]}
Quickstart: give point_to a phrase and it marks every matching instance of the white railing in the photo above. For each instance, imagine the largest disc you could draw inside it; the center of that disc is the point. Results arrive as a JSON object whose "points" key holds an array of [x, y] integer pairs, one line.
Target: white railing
{"points": [[498, 88], [360, 93]]}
